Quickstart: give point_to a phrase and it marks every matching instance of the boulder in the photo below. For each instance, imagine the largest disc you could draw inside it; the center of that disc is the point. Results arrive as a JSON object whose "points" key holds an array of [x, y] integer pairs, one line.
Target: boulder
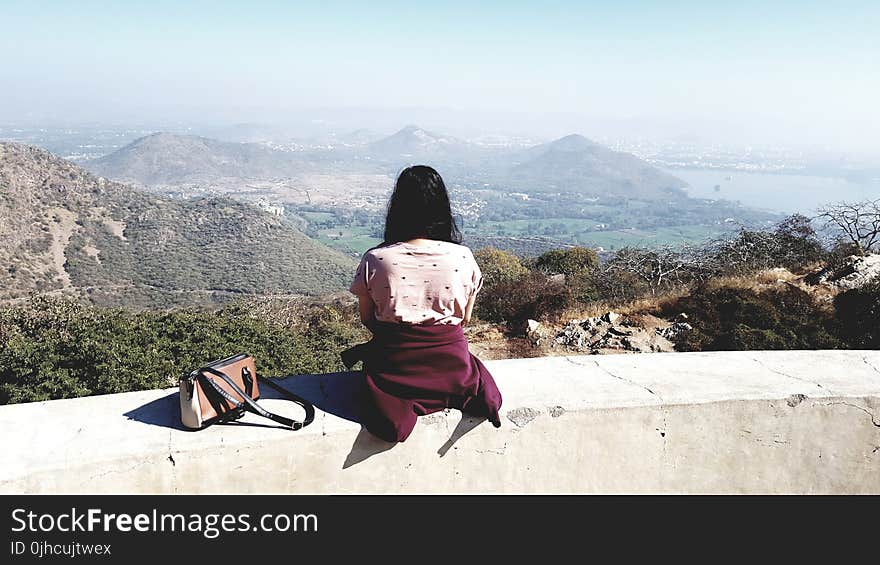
{"points": [[675, 330], [855, 272], [612, 332], [610, 317]]}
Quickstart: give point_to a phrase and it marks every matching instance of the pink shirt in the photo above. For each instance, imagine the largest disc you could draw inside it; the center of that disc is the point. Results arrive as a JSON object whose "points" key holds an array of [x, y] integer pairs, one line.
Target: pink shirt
{"points": [[418, 284]]}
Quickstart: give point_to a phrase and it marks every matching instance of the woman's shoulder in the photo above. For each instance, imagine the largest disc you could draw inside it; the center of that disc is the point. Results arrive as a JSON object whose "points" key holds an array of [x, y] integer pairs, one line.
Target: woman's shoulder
{"points": [[377, 251], [403, 248]]}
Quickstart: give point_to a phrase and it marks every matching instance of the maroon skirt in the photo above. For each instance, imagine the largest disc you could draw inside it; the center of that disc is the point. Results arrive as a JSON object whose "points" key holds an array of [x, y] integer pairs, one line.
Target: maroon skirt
{"points": [[413, 370]]}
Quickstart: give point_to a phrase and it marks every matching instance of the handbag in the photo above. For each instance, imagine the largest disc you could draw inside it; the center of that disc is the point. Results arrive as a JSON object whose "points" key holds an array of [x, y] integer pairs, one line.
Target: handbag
{"points": [[223, 390]]}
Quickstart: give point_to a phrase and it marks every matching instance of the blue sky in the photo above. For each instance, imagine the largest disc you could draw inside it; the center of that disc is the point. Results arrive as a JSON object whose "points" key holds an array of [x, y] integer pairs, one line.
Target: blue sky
{"points": [[791, 69]]}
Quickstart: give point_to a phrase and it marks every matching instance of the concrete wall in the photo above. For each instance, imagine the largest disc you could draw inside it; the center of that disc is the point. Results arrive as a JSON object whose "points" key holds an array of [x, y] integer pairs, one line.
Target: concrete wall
{"points": [[732, 422]]}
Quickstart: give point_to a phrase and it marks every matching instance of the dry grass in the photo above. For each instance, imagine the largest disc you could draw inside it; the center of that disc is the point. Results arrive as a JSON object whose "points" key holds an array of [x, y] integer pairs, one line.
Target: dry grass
{"points": [[492, 341], [650, 304], [758, 282]]}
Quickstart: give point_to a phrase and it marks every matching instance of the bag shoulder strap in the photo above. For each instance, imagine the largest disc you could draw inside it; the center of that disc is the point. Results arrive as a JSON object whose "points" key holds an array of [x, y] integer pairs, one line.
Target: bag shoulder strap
{"points": [[248, 403]]}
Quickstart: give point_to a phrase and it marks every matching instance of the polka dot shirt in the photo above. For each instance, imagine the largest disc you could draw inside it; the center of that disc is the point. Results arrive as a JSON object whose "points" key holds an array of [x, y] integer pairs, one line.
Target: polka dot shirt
{"points": [[418, 284]]}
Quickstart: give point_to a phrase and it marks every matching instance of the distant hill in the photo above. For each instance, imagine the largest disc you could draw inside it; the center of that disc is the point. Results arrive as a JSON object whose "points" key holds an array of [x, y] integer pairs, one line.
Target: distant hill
{"points": [[572, 164], [64, 229], [576, 164], [413, 141], [165, 158]]}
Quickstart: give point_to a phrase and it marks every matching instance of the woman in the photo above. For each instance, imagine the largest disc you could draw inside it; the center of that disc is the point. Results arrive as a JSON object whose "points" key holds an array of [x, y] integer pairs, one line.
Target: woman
{"points": [[415, 292]]}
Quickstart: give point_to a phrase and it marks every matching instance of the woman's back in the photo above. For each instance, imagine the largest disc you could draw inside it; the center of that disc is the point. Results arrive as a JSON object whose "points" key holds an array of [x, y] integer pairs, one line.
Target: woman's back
{"points": [[429, 283]]}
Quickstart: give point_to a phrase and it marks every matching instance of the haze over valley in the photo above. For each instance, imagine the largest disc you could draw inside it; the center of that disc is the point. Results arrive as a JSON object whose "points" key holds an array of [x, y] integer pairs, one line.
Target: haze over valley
{"points": [[650, 127]]}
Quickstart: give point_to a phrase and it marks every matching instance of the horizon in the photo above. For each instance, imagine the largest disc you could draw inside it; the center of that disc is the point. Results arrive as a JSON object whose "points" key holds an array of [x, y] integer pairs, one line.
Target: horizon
{"points": [[800, 74]]}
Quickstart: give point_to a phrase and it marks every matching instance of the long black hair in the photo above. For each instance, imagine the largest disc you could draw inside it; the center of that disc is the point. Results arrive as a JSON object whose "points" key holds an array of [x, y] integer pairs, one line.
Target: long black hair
{"points": [[419, 207]]}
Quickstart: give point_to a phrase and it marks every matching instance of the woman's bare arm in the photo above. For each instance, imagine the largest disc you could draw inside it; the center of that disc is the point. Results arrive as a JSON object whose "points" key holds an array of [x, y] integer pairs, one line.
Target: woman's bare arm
{"points": [[469, 309]]}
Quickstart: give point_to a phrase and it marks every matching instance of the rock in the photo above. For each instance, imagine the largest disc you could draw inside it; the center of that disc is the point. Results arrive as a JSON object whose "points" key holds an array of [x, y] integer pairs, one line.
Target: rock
{"points": [[574, 335], [675, 330], [619, 331], [611, 332], [532, 325], [610, 317], [855, 272]]}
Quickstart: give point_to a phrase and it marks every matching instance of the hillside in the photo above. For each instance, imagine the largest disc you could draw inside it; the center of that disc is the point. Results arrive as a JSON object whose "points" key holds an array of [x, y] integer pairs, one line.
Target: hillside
{"points": [[413, 141], [64, 229], [577, 164], [164, 158]]}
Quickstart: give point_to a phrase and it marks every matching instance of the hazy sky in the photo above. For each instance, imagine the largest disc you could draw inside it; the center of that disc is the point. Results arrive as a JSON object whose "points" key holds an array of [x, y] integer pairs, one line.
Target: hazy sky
{"points": [[785, 71]]}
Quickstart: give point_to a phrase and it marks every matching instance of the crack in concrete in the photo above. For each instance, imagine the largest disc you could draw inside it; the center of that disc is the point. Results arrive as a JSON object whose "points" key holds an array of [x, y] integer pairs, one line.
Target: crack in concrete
{"points": [[664, 432], [772, 370], [627, 380], [869, 364], [862, 408], [173, 462], [116, 471], [609, 373], [494, 451]]}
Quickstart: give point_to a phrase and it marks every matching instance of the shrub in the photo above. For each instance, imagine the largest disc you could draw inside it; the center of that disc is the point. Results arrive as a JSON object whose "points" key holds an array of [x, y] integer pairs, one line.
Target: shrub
{"points": [[742, 319], [858, 316], [798, 244], [533, 296], [498, 266], [52, 348], [568, 262], [792, 244]]}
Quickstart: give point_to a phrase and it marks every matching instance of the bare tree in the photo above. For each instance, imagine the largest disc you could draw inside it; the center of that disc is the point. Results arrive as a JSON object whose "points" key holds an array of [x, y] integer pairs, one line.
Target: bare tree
{"points": [[659, 268], [857, 221], [749, 251]]}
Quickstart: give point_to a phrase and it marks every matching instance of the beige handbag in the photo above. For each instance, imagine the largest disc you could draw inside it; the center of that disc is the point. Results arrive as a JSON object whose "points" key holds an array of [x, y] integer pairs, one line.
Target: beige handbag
{"points": [[225, 389]]}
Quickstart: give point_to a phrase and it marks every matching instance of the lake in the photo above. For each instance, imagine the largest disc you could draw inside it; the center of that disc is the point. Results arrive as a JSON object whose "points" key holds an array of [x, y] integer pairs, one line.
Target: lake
{"points": [[775, 192]]}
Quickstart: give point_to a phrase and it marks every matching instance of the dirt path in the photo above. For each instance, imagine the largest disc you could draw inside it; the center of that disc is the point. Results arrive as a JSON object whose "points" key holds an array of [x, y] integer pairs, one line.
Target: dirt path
{"points": [[61, 232]]}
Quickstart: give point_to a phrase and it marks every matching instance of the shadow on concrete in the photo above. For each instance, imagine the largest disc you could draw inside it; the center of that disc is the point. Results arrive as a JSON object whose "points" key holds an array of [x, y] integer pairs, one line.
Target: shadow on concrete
{"points": [[466, 424], [365, 446], [163, 412], [340, 394]]}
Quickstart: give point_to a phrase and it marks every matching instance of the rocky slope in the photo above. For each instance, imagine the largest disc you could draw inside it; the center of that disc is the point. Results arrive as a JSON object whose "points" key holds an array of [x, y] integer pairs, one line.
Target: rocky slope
{"points": [[64, 229]]}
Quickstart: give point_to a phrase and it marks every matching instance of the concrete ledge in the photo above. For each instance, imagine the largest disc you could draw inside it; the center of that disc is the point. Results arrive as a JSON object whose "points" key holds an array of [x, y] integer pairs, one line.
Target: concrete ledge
{"points": [[728, 422]]}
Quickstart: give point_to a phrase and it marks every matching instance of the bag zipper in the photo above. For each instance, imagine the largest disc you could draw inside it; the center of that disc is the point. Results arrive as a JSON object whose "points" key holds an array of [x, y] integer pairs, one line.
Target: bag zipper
{"points": [[190, 380], [226, 361]]}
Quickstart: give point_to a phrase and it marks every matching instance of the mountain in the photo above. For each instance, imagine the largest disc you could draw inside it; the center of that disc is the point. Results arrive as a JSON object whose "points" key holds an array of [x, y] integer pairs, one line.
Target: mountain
{"points": [[165, 158], [576, 164], [64, 229], [413, 141]]}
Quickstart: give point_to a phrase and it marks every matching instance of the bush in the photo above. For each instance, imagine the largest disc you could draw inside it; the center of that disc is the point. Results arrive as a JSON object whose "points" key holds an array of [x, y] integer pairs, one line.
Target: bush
{"points": [[798, 244], [582, 288], [498, 266], [568, 262], [533, 296], [858, 316], [792, 244], [742, 319], [618, 284], [52, 348]]}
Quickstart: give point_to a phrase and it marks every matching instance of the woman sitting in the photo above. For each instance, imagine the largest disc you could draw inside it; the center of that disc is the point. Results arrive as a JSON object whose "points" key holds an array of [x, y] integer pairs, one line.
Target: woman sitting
{"points": [[415, 291]]}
